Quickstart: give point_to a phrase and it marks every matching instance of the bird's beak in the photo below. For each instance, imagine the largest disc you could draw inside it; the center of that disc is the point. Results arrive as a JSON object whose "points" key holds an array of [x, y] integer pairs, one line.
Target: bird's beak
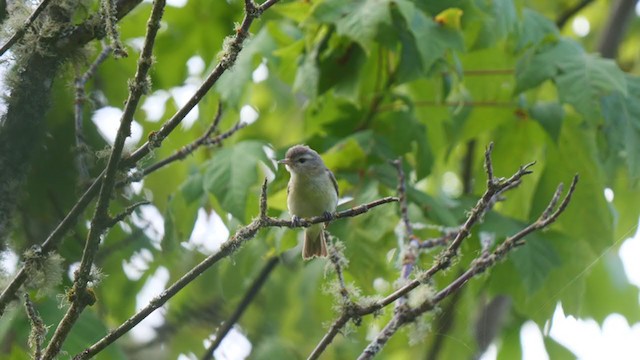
{"points": [[283, 161]]}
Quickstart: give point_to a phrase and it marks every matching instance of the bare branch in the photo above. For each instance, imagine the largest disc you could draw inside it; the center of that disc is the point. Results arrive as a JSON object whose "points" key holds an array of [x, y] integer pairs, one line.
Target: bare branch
{"points": [[478, 266], [38, 328], [570, 12], [229, 247], [242, 306], [81, 97], [126, 212]]}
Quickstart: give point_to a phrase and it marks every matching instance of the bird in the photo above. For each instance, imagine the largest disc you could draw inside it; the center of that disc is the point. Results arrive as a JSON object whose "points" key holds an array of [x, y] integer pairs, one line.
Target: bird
{"points": [[312, 191]]}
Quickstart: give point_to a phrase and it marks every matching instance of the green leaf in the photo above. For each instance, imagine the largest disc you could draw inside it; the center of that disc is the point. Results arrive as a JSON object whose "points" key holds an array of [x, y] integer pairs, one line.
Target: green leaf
{"points": [[501, 19], [231, 172], [542, 62], [557, 351], [622, 125], [191, 189], [432, 40], [608, 291], [584, 79], [549, 115], [340, 70], [307, 76], [533, 29], [358, 20], [232, 83]]}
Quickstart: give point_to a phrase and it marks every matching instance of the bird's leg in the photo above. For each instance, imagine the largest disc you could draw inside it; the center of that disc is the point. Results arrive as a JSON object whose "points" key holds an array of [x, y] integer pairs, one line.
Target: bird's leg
{"points": [[295, 221], [328, 215]]}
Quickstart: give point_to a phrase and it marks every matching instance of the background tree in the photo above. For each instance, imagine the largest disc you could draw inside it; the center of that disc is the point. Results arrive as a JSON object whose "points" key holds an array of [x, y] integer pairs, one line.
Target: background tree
{"points": [[402, 98]]}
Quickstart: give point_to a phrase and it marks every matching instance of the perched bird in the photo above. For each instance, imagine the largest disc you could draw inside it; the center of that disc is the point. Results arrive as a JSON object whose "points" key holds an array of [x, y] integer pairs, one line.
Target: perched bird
{"points": [[312, 191]]}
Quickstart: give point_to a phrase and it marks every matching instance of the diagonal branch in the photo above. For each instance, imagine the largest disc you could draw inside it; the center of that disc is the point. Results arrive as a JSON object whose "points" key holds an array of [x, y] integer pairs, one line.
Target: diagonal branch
{"points": [[100, 220], [495, 187], [479, 265], [23, 29], [84, 33], [242, 306], [229, 247]]}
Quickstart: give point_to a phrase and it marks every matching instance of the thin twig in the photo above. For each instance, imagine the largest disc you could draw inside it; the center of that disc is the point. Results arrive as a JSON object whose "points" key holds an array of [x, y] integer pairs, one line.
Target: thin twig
{"points": [[126, 212], [242, 306], [229, 247], [409, 243], [81, 97], [23, 29], [38, 329]]}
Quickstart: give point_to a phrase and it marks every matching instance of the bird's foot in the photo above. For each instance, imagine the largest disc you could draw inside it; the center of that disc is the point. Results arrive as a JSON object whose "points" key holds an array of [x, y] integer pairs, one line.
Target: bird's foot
{"points": [[295, 221]]}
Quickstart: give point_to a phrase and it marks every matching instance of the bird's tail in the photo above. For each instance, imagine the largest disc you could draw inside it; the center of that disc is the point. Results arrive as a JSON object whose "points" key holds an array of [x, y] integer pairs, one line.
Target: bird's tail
{"points": [[314, 242]]}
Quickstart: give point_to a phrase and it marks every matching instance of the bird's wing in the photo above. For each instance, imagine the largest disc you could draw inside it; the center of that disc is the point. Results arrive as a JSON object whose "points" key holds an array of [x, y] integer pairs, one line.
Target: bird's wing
{"points": [[335, 183]]}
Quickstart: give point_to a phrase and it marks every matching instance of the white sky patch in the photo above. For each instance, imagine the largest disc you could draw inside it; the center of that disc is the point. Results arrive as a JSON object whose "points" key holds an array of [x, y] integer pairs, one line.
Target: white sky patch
{"points": [[532, 343], [608, 194], [182, 94], [248, 115], [107, 120], [177, 3], [209, 232], [137, 265], [270, 175], [451, 184], [125, 227], [261, 73], [72, 268], [491, 353], [381, 285], [136, 43], [154, 105], [137, 186], [9, 262], [149, 219], [628, 252], [155, 284], [234, 346], [616, 339], [189, 356], [195, 66], [638, 8], [581, 26]]}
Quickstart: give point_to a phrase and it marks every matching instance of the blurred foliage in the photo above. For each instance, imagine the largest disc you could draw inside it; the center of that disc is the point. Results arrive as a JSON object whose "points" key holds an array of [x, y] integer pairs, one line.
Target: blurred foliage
{"points": [[362, 82]]}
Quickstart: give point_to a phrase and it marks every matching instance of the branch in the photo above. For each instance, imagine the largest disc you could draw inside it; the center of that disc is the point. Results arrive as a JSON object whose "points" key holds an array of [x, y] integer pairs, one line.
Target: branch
{"points": [[229, 247], [411, 244], [126, 212], [570, 12], [244, 304], [485, 261], [83, 34], [612, 34], [23, 29], [100, 220], [81, 97], [495, 187], [38, 329], [206, 139]]}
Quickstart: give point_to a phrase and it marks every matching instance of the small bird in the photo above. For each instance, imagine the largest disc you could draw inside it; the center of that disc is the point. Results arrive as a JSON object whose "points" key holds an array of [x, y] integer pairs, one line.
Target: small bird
{"points": [[312, 191]]}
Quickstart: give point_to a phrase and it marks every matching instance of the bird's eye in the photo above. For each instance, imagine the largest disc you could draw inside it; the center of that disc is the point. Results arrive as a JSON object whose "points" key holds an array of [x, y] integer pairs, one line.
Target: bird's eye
{"points": [[302, 160]]}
